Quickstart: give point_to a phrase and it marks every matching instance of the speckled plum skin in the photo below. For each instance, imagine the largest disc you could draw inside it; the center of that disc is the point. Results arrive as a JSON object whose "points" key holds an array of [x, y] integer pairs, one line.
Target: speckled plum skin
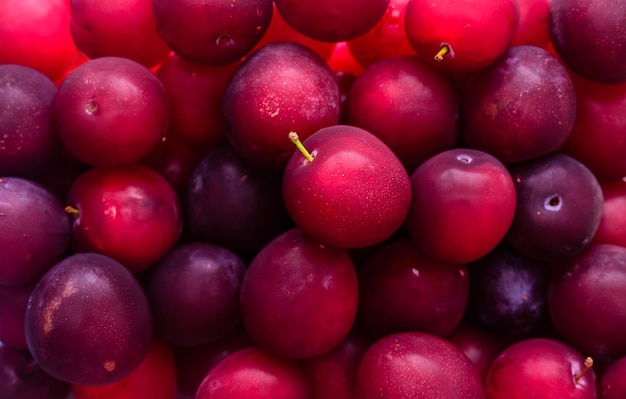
{"points": [[152, 221], [252, 373], [521, 107], [29, 142], [416, 365], [111, 111], [354, 193], [34, 230], [299, 298], [88, 321], [281, 87], [539, 368], [585, 301], [588, 35]]}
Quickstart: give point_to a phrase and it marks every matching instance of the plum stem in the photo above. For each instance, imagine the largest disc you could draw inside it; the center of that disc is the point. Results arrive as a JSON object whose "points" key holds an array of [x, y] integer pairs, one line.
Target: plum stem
{"points": [[445, 49], [588, 365], [293, 136], [71, 210]]}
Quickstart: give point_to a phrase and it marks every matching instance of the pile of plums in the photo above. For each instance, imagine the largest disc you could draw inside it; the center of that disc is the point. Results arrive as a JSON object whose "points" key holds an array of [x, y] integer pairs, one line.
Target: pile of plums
{"points": [[331, 199]]}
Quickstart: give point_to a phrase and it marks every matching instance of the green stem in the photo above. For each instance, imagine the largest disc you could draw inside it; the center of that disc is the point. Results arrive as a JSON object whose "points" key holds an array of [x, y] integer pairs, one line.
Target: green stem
{"points": [[445, 49], [293, 136], [71, 210]]}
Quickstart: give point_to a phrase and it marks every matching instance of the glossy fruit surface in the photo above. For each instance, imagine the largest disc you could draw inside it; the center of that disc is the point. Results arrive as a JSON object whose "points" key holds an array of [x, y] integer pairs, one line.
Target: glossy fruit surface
{"points": [[596, 137], [194, 293], [281, 87], [412, 364], [29, 142], [117, 28], [559, 206], [410, 106], [401, 289], [463, 201], [509, 292], [88, 321], [37, 34], [135, 205], [589, 36], [354, 193], [504, 112], [299, 296], [593, 280], [461, 35], [28, 210], [249, 373], [212, 33], [111, 111], [542, 368]]}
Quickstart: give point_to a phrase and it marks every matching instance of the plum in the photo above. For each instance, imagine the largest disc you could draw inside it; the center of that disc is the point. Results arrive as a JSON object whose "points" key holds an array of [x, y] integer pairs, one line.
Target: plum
{"points": [[88, 320]]}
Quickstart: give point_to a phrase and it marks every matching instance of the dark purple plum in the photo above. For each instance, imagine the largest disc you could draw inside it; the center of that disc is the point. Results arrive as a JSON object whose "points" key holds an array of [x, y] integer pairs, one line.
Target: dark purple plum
{"points": [[281, 87], [111, 111], [88, 321], [28, 139], [117, 28], [193, 363], [232, 203], [521, 107], [34, 230], [299, 296], [590, 37], [332, 374], [214, 33], [194, 293], [332, 20], [353, 192], [252, 373], [508, 292], [416, 365], [613, 381], [130, 213], [597, 137], [559, 207], [463, 202], [585, 301], [22, 378], [400, 289], [410, 106], [13, 302], [540, 368]]}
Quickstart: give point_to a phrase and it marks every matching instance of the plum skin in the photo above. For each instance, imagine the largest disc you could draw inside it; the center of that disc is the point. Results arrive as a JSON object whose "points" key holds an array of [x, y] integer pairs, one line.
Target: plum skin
{"points": [[354, 193], [88, 321], [413, 364]]}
